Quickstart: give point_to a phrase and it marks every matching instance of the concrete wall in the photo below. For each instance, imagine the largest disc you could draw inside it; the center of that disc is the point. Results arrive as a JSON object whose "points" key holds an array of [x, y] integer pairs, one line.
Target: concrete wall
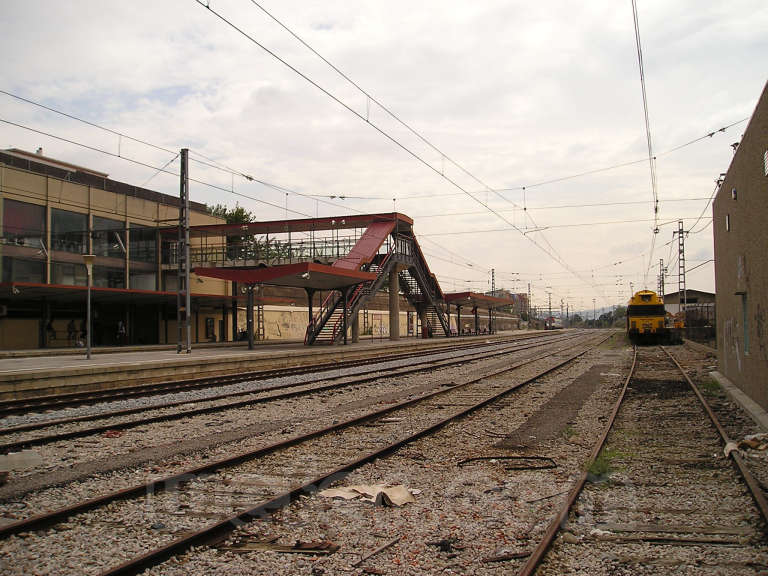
{"points": [[741, 262]]}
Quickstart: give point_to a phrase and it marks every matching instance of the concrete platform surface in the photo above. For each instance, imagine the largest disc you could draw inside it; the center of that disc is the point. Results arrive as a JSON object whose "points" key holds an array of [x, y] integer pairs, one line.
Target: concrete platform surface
{"points": [[34, 376]]}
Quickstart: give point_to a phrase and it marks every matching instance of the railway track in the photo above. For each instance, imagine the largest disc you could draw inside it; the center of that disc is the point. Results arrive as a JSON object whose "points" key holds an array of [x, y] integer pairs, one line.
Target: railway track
{"points": [[659, 495], [59, 401], [10, 439], [254, 484]]}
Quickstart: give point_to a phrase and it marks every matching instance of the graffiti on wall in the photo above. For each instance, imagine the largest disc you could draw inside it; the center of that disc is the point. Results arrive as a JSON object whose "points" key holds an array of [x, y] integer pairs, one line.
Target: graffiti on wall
{"points": [[731, 344]]}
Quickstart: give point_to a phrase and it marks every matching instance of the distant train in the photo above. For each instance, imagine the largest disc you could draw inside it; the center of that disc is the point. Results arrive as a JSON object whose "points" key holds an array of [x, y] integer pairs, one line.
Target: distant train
{"points": [[648, 322]]}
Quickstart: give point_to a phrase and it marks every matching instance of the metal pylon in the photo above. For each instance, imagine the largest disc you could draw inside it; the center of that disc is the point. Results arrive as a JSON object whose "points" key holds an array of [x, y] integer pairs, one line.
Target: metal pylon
{"points": [[681, 294]]}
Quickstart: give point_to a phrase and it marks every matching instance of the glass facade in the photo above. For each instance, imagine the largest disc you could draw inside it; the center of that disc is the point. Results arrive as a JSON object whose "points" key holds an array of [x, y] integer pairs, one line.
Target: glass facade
{"points": [[69, 231], [69, 274], [108, 237], [105, 277], [23, 223], [21, 270], [143, 244], [143, 281]]}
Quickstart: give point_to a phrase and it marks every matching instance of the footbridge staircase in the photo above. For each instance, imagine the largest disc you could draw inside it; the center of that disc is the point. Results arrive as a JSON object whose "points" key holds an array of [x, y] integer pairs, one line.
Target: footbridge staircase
{"points": [[381, 249]]}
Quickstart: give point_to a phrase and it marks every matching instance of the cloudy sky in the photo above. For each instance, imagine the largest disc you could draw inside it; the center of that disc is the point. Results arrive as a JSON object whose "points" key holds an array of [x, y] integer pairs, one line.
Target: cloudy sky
{"points": [[511, 100]]}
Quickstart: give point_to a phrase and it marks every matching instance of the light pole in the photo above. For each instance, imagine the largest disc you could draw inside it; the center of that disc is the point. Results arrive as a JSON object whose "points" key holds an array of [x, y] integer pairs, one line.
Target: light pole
{"points": [[88, 259]]}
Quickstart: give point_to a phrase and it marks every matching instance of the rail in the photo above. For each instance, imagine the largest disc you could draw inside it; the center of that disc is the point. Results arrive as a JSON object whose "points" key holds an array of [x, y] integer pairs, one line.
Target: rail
{"points": [[539, 552]]}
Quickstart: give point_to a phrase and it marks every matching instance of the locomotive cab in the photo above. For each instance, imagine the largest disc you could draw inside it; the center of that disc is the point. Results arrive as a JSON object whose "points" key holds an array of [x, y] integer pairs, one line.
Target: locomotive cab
{"points": [[647, 319]]}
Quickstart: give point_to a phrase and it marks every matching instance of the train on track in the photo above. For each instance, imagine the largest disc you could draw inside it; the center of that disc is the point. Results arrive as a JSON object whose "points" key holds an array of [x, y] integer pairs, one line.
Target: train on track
{"points": [[648, 322]]}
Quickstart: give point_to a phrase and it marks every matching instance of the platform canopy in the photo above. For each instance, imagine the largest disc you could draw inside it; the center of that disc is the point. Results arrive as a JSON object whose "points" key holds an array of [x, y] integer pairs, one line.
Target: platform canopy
{"points": [[475, 299], [34, 292], [307, 275]]}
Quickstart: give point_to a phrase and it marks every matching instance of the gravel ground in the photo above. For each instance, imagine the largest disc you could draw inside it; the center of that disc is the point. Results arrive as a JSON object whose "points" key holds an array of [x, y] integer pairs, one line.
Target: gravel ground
{"points": [[668, 502], [736, 422], [202, 394], [92, 541], [68, 460], [466, 514], [23, 498]]}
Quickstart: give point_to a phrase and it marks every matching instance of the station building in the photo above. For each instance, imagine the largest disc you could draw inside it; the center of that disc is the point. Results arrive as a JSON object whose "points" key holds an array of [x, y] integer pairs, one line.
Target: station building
{"points": [[740, 213], [53, 212]]}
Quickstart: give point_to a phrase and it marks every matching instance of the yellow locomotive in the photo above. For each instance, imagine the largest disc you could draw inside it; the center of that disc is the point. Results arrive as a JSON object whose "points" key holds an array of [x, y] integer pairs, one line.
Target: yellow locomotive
{"points": [[647, 320]]}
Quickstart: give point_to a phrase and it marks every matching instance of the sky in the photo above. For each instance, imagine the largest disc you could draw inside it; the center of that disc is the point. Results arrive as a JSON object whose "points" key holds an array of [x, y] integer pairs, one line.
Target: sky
{"points": [[510, 104]]}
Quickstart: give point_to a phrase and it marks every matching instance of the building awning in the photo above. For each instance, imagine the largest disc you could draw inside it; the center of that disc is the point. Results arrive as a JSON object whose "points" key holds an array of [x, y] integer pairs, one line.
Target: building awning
{"points": [[302, 275], [474, 299], [23, 292]]}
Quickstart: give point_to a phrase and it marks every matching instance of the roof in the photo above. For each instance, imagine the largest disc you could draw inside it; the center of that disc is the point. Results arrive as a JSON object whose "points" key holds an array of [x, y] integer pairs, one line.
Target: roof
{"points": [[39, 164], [301, 275], [475, 299], [38, 157]]}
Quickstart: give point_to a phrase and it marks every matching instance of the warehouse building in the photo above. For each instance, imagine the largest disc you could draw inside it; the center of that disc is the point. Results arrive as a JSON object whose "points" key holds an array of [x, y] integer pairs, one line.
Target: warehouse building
{"points": [[740, 213]]}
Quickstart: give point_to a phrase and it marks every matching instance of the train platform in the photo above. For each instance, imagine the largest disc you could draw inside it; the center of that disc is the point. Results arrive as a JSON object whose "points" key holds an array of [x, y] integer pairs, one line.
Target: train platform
{"points": [[62, 371]]}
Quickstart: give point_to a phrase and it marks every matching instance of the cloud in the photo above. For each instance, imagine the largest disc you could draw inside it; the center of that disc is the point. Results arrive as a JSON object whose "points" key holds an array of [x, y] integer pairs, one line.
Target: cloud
{"points": [[517, 92]]}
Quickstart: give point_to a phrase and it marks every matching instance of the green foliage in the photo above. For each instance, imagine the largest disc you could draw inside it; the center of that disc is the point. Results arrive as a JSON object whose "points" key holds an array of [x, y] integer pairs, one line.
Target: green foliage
{"points": [[602, 466], [709, 387], [236, 215]]}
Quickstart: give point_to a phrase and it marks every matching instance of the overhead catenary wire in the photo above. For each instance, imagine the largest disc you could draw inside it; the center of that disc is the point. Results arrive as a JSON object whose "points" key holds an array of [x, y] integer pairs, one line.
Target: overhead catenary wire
{"points": [[207, 161], [212, 163], [383, 132], [552, 226], [146, 165], [373, 99], [651, 158]]}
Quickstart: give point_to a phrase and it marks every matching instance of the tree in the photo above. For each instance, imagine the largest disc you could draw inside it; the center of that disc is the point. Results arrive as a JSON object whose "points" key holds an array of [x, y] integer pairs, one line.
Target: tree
{"points": [[236, 215], [237, 245]]}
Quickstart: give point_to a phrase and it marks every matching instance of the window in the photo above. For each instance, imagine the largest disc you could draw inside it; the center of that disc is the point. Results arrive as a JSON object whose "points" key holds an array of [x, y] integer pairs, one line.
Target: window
{"points": [[108, 277], [19, 270], [734, 194], [108, 237], [727, 222], [69, 274], [143, 281], [143, 244], [23, 223], [69, 231]]}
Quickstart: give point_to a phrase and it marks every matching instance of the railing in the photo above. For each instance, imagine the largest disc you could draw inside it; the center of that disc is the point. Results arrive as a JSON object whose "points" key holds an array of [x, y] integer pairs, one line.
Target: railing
{"points": [[418, 285], [270, 252], [358, 292], [332, 301]]}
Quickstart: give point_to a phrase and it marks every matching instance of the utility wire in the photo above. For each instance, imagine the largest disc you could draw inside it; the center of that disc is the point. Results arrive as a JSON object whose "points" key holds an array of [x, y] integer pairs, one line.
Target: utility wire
{"points": [[140, 163], [381, 131], [367, 94], [709, 135], [209, 162], [162, 169], [651, 158], [212, 163], [555, 207], [572, 225], [717, 187]]}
